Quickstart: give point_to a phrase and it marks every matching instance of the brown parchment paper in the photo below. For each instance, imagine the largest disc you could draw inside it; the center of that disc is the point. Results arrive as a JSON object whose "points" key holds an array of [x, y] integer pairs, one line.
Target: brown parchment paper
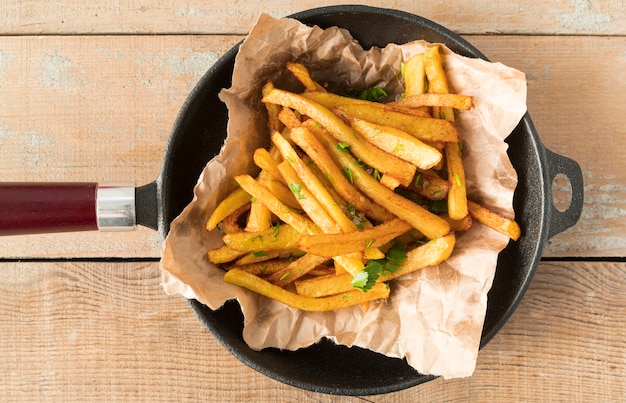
{"points": [[433, 317]]}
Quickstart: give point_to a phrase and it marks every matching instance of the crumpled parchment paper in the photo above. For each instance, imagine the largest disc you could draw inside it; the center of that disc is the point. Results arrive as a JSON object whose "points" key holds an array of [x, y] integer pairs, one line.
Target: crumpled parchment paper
{"points": [[433, 317]]}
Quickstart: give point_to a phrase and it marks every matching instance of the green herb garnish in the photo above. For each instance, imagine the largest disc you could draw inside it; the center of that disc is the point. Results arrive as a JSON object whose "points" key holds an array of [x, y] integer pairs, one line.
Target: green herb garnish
{"points": [[366, 278], [345, 147], [296, 188], [369, 94], [348, 173]]}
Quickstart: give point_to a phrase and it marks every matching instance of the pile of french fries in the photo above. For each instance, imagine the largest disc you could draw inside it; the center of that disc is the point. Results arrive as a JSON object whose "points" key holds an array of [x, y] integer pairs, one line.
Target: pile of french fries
{"points": [[352, 193]]}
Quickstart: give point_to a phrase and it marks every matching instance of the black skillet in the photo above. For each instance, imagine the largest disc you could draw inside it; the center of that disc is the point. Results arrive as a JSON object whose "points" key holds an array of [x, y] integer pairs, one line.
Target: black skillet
{"points": [[197, 136]]}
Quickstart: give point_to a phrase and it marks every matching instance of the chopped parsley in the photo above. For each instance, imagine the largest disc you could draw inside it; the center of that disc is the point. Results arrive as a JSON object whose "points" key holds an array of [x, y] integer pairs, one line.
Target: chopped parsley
{"points": [[296, 188], [348, 173], [366, 278], [345, 147], [369, 94]]}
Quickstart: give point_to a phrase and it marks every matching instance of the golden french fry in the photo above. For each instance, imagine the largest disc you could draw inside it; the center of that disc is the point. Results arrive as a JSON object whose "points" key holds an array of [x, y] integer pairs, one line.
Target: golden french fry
{"points": [[278, 237], [494, 220], [457, 195], [260, 286], [437, 81], [272, 110], [230, 224], [296, 269], [398, 143], [259, 217], [428, 254], [369, 154], [289, 118], [430, 185], [303, 75], [264, 268], [340, 244], [424, 128], [456, 101], [463, 224], [264, 160], [224, 254], [333, 101], [307, 200], [263, 256], [420, 218], [231, 203], [414, 75], [282, 192], [318, 154]]}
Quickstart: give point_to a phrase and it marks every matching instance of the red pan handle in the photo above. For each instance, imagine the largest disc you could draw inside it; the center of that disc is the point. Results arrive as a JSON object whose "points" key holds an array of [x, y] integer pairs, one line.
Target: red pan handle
{"points": [[31, 208]]}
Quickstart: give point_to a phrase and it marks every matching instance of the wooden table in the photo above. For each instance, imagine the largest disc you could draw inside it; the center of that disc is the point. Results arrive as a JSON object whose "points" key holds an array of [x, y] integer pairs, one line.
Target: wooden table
{"points": [[90, 92]]}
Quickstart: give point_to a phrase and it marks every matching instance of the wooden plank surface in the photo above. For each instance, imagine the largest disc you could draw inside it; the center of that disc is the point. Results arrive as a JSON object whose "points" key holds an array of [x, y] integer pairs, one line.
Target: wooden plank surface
{"points": [[99, 108], [89, 92], [128, 341], [597, 17]]}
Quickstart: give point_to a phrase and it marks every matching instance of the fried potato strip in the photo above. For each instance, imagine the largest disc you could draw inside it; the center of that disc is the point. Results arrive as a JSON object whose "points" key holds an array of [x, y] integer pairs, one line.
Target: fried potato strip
{"points": [[334, 302]]}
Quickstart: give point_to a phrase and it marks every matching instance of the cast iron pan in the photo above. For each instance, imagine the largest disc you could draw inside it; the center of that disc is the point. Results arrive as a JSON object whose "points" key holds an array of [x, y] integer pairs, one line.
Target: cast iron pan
{"points": [[198, 134]]}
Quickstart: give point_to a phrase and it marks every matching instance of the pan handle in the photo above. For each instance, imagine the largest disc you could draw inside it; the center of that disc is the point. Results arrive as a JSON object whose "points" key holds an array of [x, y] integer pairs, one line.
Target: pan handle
{"points": [[32, 208], [562, 220]]}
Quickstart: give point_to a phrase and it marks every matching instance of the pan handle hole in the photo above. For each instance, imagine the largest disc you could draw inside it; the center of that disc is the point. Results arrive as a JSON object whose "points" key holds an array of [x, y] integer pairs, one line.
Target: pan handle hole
{"points": [[561, 192]]}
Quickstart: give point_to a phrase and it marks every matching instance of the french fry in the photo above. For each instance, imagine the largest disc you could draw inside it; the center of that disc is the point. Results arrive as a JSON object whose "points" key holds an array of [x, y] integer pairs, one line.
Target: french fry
{"points": [[414, 75], [282, 193], [464, 224], [296, 269], [398, 143], [264, 268], [224, 254], [340, 244], [333, 101], [428, 254], [424, 128], [430, 185], [369, 154], [494, 220], [420, 218], [230, 224], [318, 154], [456, 101], [264, 160], [278, 237], [303, 75], [231, 203], [307, 200], [260, 286], [437, 81], [289, 118], [457, 195], [259, 217], [272, 110], [263, 256]]}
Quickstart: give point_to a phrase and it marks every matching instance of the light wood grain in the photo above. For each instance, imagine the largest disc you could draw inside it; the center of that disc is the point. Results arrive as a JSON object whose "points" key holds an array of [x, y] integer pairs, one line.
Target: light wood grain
{"points": [[106, 331], [89, 92], [601, 17], [98, 108]]}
